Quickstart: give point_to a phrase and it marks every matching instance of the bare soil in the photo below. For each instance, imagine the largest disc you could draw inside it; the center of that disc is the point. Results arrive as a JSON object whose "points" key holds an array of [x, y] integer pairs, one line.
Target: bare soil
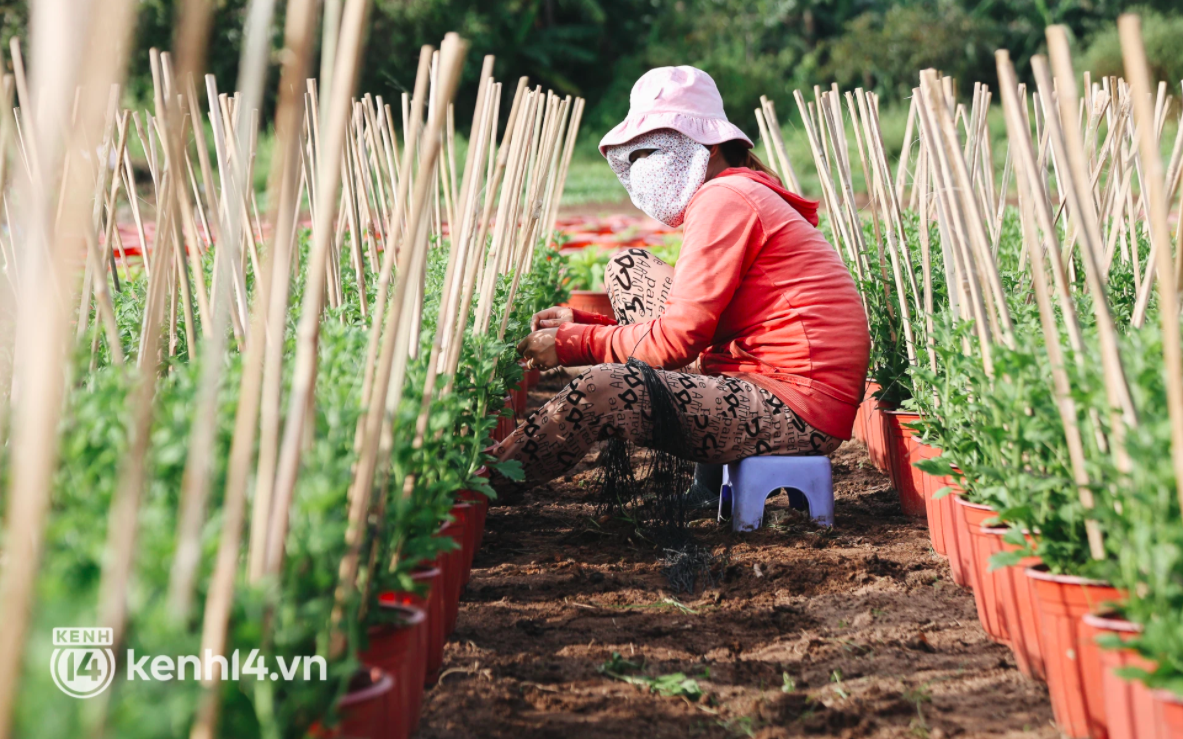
{"points": [[854, 632]]}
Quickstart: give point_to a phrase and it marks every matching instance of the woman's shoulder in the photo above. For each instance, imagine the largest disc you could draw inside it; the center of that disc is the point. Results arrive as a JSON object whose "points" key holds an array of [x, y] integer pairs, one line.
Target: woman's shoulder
{"points": [[726, 193], [743, 194]]}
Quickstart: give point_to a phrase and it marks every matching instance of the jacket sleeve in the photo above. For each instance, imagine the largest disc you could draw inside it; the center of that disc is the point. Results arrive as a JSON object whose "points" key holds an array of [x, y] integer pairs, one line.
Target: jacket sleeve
{"points": [[720, 223], [592, 319]]}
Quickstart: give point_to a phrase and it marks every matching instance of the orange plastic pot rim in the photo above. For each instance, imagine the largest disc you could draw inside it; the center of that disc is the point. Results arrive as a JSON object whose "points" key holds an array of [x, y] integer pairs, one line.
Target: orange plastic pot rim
{"points": [[1110, 621], [1040, 572]]}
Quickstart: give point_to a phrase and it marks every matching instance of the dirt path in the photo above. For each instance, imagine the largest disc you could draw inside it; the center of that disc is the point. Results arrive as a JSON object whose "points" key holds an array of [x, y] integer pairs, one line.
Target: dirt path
{"points": [[858, 632]]}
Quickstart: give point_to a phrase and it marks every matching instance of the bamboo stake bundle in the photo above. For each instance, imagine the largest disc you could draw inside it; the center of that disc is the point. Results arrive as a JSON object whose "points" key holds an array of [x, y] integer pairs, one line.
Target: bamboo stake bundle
{"points": [[516, 159], [451, 61], [100, 186], [199, 465], [460, 234], [553, 169], [841, 229], [873, 133], [1067, 144], [831, 120], [1134, 55], [269, 399], [932, 192], [948, 212], [564, 167], [464, 263], [449, 300], [308, 331], [227, 265], [534, 213], [504, 237], [968, 219], [484, 259], [1031, 192], [878, 189], [299, 24], [769, 153], [398, 236], [926, 263]]}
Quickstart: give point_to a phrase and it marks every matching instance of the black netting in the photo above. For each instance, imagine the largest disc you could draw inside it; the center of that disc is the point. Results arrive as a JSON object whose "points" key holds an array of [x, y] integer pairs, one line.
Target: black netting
{"points": [[654, 495]]}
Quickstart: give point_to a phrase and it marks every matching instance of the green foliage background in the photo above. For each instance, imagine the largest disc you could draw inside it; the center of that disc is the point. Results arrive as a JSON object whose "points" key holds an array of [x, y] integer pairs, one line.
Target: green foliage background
{"points": [[597, 48]]}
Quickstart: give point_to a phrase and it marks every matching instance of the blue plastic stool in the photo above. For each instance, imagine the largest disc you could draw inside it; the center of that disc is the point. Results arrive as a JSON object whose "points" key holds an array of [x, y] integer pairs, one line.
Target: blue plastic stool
{"points": [[748, 483]]}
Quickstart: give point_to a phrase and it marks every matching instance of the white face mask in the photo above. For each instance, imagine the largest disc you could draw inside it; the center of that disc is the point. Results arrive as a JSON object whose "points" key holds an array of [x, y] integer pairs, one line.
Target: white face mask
{"points": [[662, 183]]}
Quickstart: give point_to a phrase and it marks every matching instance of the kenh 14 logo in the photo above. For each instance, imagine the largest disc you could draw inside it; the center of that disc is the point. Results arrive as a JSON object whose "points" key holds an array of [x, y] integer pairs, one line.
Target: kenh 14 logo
{"points": [[82, 663]]}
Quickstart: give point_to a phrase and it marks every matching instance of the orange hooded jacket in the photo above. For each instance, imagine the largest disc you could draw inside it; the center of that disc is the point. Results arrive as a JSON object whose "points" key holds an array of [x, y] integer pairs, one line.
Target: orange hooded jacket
{"points": [[758, 294]]}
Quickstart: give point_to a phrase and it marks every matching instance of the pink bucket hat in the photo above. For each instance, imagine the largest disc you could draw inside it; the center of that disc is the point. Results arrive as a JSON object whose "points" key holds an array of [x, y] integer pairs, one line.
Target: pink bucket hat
{"points": [[682, 98]]}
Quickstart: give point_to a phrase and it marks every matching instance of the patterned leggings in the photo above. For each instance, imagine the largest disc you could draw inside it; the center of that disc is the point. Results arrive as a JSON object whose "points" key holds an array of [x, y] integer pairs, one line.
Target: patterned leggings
{"points": [[728, 418]]}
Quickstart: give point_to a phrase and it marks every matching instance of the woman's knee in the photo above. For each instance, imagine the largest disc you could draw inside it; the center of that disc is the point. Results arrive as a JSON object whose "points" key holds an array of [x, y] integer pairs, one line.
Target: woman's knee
{"points": [[591, 388], [629, 267]]}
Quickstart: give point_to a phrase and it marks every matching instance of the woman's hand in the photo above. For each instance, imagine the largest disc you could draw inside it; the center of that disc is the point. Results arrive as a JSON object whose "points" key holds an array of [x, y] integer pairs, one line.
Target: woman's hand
{"points": [[552, 318], [539, 348]]}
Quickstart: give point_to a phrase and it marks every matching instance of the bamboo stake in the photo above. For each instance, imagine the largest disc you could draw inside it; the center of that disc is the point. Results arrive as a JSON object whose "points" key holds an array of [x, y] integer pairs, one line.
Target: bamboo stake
{"points": [[778, 144], [1130, 32], [769, 154], [901, 172]]}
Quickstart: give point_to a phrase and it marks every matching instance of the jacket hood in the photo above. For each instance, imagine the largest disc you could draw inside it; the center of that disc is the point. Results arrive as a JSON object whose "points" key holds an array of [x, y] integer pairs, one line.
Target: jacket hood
{"points": [[807, 208]]}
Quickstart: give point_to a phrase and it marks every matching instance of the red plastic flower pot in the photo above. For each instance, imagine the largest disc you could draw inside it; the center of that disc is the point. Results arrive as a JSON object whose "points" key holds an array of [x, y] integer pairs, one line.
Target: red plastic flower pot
{"points": [[1130, 710], [877, 435], [860, 417], [414, 668], [928, 486], [986, 542], [1016, 591], [965, 544], [468, 514], [1077, 699], [591, 301], [1168, 715], [397, 648], [363, 710], [900, 455], [955, 532], [452, 564], [482, 506], [520, 396], [431, 577]]}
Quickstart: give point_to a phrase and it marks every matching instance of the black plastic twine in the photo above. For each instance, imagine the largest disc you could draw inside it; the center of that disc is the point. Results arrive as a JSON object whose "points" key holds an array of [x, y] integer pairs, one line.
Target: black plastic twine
{"points": [[656, 496]]}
